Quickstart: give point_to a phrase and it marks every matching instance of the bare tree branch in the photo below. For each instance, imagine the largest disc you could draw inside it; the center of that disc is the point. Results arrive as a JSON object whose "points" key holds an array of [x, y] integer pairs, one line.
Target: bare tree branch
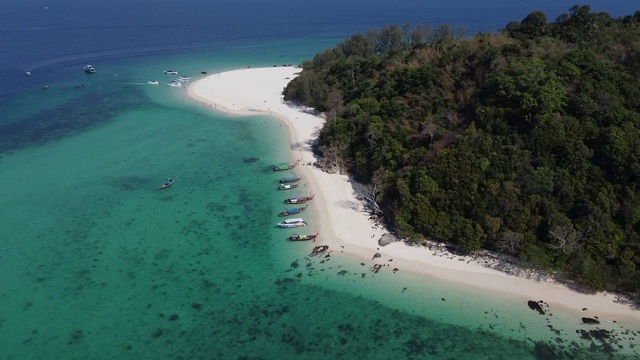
{"points": [[369, 193], [509, 242], [565, 239]]}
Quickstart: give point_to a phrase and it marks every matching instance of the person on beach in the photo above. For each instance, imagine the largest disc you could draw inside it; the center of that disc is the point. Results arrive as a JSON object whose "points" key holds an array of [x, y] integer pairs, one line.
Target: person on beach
{"points": [[167, 184]]}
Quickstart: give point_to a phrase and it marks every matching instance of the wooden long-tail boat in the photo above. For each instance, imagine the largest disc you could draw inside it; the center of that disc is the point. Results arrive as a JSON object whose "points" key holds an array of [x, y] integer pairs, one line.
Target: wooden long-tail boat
{"points": [[287, 186], [296, 237], [298, 199], [293, 211], [285, 167], [289, 180]]}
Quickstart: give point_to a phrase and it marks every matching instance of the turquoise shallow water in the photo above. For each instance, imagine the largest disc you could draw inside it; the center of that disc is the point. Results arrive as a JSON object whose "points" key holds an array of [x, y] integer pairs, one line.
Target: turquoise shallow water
{"points": [[98, 263]]}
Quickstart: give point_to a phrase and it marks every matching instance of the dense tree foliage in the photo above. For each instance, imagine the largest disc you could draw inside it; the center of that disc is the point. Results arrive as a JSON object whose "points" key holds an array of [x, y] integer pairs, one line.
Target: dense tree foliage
{"points": [[525, 141]]}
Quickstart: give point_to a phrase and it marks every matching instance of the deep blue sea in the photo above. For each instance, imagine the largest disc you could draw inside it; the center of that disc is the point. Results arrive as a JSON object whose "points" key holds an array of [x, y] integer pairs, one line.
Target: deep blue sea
{"points": [[97, 263]]}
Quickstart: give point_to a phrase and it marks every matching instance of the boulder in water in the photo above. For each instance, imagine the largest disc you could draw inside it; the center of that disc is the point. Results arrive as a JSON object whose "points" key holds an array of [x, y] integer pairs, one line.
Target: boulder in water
{"points": [[534, 305]]}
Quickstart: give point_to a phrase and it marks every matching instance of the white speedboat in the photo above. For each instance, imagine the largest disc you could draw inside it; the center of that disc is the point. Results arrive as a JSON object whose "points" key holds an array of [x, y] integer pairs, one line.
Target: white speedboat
{"points": [[89, 69], [171, 72], [153, 82], [292, 223], [28, 73], [183, 78], [175, 84]]}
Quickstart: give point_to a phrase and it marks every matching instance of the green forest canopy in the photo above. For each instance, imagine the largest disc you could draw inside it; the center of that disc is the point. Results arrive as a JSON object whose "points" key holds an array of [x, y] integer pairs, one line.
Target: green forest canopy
{"points": [[525, 142]]}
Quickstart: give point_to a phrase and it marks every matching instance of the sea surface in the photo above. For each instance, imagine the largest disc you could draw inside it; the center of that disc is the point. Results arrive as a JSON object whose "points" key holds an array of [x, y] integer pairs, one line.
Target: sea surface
{"points": [[97, 263]]}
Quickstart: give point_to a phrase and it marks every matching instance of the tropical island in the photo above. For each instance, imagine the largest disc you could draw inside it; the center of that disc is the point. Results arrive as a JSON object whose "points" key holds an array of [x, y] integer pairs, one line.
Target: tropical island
{"points": [[524, 142]]}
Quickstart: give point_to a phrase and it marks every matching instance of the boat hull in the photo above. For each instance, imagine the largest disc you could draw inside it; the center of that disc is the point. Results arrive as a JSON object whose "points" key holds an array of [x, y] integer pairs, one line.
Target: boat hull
{"points": [[298, 200], [285, 167], [291, 212], [289, 180], [287, 187], [303, 237], [291, 226]]}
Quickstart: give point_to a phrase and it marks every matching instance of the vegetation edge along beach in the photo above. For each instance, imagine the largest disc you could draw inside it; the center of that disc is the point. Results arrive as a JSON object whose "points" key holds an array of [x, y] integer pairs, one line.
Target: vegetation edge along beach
{"points": [[522, 142], [354, 231]]}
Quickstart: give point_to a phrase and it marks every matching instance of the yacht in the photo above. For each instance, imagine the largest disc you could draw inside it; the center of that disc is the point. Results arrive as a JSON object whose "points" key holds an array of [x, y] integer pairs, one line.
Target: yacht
{"points": [[89, 69], [183, 78], [171, 72], [153, 82]]}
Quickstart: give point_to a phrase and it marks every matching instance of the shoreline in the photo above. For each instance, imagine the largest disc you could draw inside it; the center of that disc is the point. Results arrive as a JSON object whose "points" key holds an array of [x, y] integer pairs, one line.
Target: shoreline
{"points": [[253, 91]]}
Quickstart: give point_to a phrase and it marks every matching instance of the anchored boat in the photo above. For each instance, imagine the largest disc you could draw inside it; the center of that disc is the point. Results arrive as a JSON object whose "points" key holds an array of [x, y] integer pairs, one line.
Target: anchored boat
{"points": [[289, 180], [296, 237], [292, 223], [89, 69], [285, 167], [293, 211], [287, 186], [298, 199]]}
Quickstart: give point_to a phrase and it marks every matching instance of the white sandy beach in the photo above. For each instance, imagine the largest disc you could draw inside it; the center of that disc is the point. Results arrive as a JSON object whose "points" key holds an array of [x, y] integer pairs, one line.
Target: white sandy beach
{"points": [[252, 91]]}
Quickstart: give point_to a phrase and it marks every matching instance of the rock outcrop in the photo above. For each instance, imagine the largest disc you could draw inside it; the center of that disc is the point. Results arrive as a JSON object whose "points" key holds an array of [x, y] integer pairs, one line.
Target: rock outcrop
{"points": [[387, 239]]}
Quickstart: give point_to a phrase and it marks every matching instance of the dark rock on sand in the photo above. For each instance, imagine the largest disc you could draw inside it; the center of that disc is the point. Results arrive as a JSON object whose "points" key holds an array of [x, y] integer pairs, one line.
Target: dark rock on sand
{"points": [[387, 239], [534, 305], [587, 320]]}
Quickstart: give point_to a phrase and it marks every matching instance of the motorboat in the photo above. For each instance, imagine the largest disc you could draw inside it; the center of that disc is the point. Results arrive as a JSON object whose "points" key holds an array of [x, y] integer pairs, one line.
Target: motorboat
{"points": [[28, 73], [175, 84], [89, 69], [153, 82], [171, 72], [183, 79], [292, 223]]}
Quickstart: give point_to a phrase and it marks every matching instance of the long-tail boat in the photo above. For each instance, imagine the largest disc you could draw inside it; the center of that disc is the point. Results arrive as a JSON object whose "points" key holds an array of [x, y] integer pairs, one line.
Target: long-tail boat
{"points": [[292, 223], [289, 180], [167, 184], [285, 167], [293, 211], [298, 199], [296, 237], [287, 186]]}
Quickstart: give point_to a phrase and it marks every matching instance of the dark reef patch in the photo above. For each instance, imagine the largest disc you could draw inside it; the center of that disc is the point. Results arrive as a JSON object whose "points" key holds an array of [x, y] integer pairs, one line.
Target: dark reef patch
{"points": [[75, 116]]}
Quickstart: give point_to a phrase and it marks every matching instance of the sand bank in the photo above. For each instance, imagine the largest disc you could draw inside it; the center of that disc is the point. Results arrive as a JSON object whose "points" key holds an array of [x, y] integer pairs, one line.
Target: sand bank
{"points": [[343, 228]]}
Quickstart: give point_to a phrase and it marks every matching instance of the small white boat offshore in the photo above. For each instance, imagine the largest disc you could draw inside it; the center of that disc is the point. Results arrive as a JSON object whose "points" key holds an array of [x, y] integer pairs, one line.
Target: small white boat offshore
{"points": [[28, 73], [183, 79], [153, 82], [175, 84], [171, 72], [89, 69], [292, 223]]}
